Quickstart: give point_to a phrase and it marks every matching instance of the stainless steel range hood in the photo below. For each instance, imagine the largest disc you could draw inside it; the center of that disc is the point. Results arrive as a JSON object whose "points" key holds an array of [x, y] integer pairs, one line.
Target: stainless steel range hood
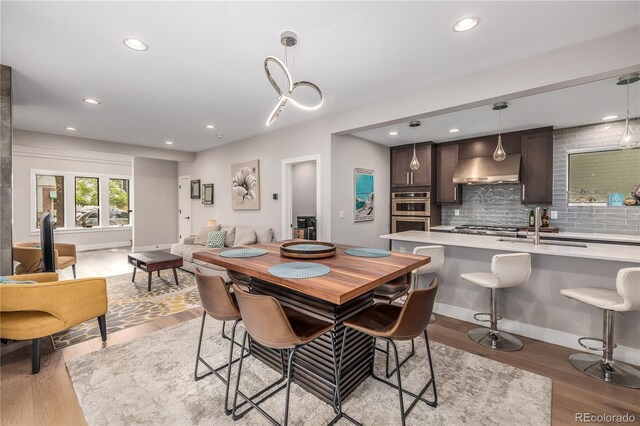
{"points": [[487, 170]]}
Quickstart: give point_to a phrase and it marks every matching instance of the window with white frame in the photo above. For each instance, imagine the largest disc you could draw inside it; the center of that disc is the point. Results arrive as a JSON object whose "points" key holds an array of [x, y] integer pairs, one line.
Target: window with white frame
{"points": [[92, 201]]}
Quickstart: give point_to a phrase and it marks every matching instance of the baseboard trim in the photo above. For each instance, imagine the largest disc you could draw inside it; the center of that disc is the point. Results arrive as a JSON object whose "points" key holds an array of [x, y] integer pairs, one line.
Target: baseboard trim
{"points": [[561, 338], [153, 247], [102, 246]]}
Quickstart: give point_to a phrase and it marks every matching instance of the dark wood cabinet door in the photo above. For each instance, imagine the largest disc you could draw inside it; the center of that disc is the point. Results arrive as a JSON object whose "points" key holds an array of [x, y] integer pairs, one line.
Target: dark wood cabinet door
{"points": [[537, 168], [446, 160], [422, 176], [400, 159]]}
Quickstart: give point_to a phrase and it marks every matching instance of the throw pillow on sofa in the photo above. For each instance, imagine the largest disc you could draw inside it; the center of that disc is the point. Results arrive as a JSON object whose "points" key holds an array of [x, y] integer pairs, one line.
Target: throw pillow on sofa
{"points": [[244, 236], [203, 236], [216, 239], [231, 235]]}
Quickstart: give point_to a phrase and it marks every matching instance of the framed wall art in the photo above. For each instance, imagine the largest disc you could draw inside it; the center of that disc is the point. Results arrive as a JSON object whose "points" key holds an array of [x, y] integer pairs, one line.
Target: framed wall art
{"points": [[245, 185], [207, 193], [363, 195], [195, 189]]}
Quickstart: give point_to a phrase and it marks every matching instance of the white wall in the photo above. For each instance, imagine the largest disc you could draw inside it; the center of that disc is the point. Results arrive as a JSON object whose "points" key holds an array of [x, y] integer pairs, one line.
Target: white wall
{"points": [[303, 189], [348, 153], [213, 166], [155, 204], [26, 158]]}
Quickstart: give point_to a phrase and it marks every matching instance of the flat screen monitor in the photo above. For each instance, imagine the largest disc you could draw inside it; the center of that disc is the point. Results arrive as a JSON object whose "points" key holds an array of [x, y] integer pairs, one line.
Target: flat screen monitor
{"points": [[46, 242]]}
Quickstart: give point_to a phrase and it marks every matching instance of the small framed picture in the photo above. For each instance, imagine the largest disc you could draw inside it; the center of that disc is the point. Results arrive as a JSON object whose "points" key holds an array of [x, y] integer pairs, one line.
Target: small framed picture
{"points": [[195, 189], [207, 193]]}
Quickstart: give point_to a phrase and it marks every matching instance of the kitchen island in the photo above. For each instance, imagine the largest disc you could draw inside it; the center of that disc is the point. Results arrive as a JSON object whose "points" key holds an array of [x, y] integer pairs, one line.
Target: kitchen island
{"points": [[536, 309]]}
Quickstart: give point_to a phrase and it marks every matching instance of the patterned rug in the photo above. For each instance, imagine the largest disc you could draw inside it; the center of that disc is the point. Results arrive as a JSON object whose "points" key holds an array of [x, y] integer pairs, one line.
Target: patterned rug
{"points": [[149, 381], [131, 304]]}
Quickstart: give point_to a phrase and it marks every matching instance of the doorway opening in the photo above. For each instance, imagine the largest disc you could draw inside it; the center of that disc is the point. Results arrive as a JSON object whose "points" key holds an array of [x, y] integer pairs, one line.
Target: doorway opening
{"points": [[301, 197]]}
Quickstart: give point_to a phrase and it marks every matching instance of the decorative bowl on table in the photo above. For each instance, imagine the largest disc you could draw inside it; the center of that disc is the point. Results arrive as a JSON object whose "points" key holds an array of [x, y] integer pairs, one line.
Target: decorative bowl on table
{"points": [[307, 250]]}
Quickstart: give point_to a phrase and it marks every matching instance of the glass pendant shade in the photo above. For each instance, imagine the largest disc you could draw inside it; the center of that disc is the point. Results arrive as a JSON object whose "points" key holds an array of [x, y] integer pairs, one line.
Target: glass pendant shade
{"points": [[414, 164], [628, 139], [499, 154]]}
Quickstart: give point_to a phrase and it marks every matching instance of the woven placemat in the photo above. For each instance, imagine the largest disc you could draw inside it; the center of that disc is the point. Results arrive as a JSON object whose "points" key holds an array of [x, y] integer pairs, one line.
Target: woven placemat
{"points": [[299, 270], [367, 252], [243, 252]]}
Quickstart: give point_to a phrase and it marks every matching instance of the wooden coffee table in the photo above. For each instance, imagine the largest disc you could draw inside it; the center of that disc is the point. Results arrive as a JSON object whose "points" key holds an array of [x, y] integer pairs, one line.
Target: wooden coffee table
{"points": [[151, 261]]}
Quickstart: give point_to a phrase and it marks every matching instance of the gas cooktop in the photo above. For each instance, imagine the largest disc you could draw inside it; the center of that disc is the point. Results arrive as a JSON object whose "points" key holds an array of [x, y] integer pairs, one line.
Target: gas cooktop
{"points": [[504, 230]]}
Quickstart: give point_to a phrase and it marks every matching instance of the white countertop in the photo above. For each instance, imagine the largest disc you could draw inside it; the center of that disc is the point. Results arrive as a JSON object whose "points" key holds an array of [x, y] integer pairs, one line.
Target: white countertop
{"points": [[566, 235], [615, 252]]}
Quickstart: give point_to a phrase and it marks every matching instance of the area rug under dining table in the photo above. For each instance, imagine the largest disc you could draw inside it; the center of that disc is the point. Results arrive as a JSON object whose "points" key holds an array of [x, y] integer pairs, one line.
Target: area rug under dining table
{"points": [[149, 381]]}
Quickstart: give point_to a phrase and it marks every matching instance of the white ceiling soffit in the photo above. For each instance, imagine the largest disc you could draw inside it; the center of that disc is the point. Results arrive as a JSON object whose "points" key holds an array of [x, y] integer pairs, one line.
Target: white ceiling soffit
{"points": [[205, 59], [573, 106]]}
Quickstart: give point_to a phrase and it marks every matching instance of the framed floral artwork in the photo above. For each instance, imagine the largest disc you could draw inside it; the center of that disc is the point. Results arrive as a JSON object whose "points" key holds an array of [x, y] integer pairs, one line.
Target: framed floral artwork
{"points": [[245, 185]]}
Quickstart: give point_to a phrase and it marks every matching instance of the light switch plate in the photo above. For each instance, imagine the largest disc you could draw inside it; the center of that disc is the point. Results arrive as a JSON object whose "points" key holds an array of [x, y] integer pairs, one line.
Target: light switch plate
{"points": [[554, 214], [456, 212], [342, 214]]}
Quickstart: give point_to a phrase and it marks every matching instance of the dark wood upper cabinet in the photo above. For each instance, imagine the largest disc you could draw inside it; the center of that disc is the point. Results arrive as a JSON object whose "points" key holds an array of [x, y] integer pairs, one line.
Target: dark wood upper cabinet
{"points": [[537, 168], [402, 176], [400, 158], [447, 158]]}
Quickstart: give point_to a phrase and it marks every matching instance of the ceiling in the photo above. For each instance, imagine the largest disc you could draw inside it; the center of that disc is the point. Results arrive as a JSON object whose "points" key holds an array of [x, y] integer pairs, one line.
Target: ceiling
{"points": [[573, 106], [205, 61]]}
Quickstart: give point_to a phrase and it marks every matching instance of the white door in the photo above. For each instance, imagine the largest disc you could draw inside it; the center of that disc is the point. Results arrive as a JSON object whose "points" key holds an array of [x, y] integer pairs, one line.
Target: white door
{"points": [[184, 206]]}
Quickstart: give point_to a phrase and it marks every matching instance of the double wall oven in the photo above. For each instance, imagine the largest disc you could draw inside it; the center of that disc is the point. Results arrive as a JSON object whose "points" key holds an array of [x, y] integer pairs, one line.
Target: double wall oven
{"points": [[410, 211]]}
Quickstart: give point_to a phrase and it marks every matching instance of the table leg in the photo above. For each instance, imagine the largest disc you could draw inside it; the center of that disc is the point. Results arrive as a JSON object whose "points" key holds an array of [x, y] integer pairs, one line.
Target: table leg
{"points": [[158, 273], [133, 279], [149, 275], [175, 276]]}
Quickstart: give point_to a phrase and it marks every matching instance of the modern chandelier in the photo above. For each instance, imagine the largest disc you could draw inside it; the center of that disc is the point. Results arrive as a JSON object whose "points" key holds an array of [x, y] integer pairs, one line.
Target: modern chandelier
{"points": [[499, 154], [288, 39]]}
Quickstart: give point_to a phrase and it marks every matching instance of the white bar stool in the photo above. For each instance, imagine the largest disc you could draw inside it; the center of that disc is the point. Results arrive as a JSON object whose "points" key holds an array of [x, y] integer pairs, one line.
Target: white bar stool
{"points": [[507, 270], [626, 298], [431, 269]]}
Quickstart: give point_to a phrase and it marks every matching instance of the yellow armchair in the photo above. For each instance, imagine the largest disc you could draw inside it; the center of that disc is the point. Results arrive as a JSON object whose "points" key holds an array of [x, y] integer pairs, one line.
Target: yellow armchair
{"points": [[33, 311], [28, 256]]}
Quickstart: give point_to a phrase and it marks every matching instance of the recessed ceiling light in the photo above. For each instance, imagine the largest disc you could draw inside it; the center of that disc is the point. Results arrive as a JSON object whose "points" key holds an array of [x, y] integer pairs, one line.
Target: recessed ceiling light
{"points": [[394, 133], [71, 129], [210, 126], [454, 130], [92, 101], [135, 44], [168, 142], [219, 136], [609, 117], [465, 24]]}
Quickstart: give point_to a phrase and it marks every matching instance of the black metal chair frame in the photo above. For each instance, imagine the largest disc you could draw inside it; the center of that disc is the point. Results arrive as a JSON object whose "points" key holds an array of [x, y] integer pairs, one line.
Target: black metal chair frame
{"points": [[403, 414], [228, 365], [337, 406], [388, 373]]}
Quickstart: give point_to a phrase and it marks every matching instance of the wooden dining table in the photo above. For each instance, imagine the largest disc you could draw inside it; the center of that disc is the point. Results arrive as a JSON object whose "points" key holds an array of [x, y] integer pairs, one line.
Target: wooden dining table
{"points": [[346, 290]]}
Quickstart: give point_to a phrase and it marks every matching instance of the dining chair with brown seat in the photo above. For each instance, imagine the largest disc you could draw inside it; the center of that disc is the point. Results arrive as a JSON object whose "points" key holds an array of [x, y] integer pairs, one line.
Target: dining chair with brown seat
{"points": [[392, 323], [220, 304], [271, 325]]}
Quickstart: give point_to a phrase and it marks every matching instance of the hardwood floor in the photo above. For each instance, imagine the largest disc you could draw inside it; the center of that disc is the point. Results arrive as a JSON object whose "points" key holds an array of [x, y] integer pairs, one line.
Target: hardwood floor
{"points": [[49, 398], [99, 263]]}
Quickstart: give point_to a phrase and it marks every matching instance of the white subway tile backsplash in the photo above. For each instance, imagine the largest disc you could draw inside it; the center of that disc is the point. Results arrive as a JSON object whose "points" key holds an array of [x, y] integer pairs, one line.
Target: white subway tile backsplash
{"points": [[500, 204]]}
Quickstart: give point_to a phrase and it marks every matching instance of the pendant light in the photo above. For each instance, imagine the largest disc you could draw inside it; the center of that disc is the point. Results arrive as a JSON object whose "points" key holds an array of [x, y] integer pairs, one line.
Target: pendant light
{"points": [[499, 154], [414, 164], [288, 39], [628, 139]]}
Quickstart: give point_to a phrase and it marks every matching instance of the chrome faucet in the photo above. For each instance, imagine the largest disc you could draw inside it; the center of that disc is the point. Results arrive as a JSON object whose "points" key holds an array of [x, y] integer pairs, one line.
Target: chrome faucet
{"points": [[536, 229]]}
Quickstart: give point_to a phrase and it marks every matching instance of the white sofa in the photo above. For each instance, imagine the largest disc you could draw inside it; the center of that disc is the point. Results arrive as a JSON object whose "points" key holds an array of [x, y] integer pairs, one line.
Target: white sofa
{"points": [[236, 236]]}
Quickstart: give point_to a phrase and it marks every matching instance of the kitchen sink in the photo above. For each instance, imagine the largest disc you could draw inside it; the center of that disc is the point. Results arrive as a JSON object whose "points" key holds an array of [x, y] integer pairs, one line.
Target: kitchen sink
{"points": [[545, 242]]}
